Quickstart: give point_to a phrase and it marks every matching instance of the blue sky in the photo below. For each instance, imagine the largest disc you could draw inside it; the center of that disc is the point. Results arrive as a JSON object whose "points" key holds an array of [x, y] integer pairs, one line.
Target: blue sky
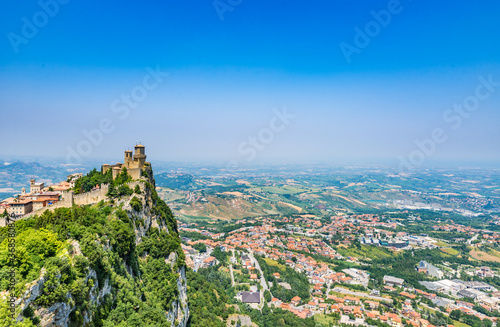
{"points": [[227, 77]]}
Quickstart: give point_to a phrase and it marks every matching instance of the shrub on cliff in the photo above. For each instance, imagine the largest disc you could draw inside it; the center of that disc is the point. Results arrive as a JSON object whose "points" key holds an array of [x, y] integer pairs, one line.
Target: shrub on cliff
{"points": [[136, 204]]}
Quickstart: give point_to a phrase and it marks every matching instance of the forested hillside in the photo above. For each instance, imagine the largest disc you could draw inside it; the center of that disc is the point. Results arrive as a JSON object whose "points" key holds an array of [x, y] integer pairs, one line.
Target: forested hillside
{"points": [[115, 263]]}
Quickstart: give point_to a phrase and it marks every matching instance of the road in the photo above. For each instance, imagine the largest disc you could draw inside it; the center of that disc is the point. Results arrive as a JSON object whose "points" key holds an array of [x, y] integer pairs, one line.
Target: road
{"points": [[198, 259], [231, 269], [262, 279], [373, 297], [472, 239]]}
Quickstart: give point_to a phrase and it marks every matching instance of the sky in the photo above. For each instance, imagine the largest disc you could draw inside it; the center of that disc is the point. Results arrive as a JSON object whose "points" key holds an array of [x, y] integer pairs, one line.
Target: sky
{"points": [[244, 82]]}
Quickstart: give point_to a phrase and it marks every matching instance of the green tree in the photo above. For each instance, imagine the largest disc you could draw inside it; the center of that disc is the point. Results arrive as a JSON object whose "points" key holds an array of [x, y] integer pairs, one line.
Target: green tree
{"points": [[267, 296], [137, 190], [136, 204], [124, 190], [112, 192], [201, 247]]}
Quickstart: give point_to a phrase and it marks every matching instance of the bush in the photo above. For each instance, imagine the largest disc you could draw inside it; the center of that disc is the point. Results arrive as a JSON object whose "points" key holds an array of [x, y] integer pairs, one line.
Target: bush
{"points": [[137, 190], [201, 247], [136, 204], [124, 190], [112, 192]]}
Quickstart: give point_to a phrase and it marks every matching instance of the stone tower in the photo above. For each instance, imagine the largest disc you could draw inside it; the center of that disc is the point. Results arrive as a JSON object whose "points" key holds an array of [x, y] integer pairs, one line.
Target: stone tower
{"points": [[134, 163], [129, 161], [140, 155]]}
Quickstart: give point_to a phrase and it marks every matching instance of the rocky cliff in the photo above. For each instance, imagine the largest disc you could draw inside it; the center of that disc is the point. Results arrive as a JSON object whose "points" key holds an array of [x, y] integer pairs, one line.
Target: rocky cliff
{"points": [[115, 263]]}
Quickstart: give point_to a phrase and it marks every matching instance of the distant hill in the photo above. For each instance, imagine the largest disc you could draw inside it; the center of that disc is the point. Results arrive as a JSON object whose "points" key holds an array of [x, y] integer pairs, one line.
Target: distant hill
{"points": [[14, 176], [177, 181]]}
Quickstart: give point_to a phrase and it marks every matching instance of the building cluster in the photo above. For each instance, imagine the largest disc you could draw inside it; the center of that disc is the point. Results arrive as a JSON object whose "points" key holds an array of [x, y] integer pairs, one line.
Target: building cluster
{"points": [[38, 197], [479, 235], [298, 240], [456, 228], [429, 269]]}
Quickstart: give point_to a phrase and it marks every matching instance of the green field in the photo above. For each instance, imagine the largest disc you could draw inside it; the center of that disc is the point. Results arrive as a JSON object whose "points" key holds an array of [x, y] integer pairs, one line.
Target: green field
{"points": [[271, 262], [459, 324], [193, 218], [450, 251], [441, 243], [324, 320], [372, 252], [283, 189]]}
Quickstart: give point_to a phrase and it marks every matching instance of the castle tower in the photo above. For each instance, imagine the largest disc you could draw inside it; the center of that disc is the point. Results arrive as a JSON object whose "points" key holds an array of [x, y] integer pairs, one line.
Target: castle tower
{"points": [[35, 187], [23, 191], [32, 186], [140, 155], [128, 159], [104, 168]]}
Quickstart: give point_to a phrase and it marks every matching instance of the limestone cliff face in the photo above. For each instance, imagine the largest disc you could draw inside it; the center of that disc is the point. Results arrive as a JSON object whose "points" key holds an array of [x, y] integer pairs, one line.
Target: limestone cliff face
{"points": [[147, 216], [180, 309]]}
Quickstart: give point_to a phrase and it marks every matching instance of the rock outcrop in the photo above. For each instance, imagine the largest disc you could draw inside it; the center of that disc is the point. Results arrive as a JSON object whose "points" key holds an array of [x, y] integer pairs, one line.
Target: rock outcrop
{"points": [[60, 314]]}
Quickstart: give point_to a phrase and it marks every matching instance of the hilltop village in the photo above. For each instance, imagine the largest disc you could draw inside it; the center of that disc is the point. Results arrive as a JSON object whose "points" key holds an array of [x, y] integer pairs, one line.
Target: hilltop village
{"points": [[267, 257], [38, 197]]}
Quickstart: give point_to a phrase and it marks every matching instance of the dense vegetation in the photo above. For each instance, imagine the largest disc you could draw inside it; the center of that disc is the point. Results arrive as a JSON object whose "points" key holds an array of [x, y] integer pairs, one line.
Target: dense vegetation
{"points": [[207, 300], [298, 282], [94, 178], [194, 236], [469, 319], [143, 284], [403, 265], [209, 290]]}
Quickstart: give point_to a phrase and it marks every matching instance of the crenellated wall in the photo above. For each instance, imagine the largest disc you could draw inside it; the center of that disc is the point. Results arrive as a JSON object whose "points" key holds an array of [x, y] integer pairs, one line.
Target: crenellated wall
{"points": [[91, 197], [69, 199]]}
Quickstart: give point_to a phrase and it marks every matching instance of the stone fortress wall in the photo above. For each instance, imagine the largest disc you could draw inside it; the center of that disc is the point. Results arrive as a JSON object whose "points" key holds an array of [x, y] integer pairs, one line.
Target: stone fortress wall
{"points": [[93, 197]]}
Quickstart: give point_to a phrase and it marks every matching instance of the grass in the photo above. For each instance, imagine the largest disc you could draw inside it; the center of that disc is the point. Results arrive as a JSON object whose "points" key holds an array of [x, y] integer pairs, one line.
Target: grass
{"points": [[459, 324], [372, 252], [324, 319], [282, 189], [483, 256], [494, 252], [450, 251], [441, 243], [341, 295], [194, 218], [271, 262]]}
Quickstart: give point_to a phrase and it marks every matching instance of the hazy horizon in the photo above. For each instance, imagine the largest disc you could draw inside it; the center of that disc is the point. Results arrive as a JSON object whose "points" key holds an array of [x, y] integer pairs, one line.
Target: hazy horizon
{"points": [[253, 84]]}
